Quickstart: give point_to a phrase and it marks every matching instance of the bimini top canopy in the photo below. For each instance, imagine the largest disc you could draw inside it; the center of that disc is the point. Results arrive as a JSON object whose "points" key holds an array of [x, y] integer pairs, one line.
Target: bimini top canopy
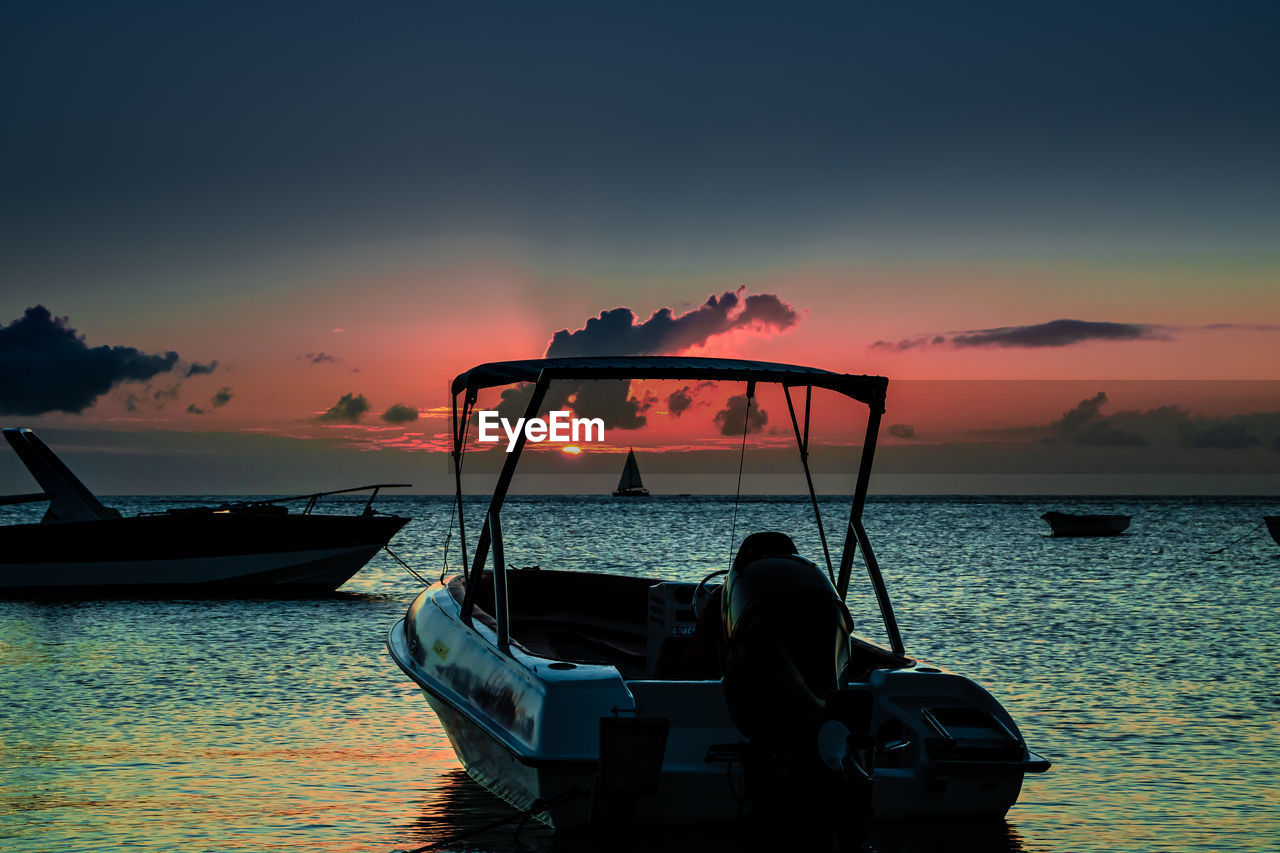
{"points": [[865, 389]]}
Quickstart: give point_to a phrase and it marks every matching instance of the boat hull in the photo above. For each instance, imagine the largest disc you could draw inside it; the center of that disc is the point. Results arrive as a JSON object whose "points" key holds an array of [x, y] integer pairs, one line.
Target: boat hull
{"points": [[530, 732], [1273, 526], [211, 553], [1067, 524]]}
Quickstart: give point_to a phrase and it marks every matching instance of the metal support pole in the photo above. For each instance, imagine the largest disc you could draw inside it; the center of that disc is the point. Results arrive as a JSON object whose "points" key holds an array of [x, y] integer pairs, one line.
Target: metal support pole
{"points": [[499, 497]]}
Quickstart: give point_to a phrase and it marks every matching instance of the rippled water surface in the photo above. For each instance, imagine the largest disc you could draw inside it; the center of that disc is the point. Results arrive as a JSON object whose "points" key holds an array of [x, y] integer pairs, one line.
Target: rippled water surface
{"points": [[1144, 666]]}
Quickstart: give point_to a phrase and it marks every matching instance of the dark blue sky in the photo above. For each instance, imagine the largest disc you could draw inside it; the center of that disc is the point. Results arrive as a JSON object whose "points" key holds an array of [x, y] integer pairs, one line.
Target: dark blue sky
{"points": [[618, 124]]}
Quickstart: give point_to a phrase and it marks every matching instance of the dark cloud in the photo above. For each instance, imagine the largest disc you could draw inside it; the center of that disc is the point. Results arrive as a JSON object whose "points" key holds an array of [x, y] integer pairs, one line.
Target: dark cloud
{"points": [[348, 409], [1104, 434], [169, 394], [131, 402], [616, 332], [730, 418], [1072, 419], [195, 368], [1225, 436], [220, 398], [1058, 333], [611, 401], [902, 430], [679, 400], [1164, 425], [400, 414], [319, 358], [1055, 333], [48, 367], [907, 343]]}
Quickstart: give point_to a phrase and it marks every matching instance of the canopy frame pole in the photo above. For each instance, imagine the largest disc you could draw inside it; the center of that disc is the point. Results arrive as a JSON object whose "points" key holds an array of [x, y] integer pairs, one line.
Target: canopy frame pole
{"points": [[802, 441], [856, 535], [489, 530]]}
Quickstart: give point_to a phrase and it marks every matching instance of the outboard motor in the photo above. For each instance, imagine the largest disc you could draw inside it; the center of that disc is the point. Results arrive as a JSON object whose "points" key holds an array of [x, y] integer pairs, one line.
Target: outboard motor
{"points": [[786, 642], [786, 639]]}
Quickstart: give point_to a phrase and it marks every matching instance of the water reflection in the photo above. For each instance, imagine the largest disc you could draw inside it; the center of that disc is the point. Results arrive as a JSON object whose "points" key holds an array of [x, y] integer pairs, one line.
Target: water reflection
{"points": [[461, 815]]}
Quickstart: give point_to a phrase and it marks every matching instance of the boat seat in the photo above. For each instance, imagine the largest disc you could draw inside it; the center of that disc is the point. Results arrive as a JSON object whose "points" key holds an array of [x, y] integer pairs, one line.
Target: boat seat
{"points": [[704, 657]]}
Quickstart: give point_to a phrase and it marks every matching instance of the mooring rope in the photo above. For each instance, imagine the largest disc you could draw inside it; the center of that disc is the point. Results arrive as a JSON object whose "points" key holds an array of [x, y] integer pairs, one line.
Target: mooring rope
{"points": [[1252, 531], [406, 566]]}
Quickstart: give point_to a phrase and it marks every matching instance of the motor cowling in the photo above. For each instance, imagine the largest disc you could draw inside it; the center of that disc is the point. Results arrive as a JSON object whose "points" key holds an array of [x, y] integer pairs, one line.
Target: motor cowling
{"points": [[786, 641]]}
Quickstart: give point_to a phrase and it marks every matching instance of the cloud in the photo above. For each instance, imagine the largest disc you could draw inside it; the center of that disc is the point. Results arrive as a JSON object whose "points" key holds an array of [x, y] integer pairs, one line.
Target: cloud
{"points": [[1058, 333], [319, 358], [163, 395], [1225, 436], [400, 414], [195, 368], [616, 332], [679, 400], [348, 409], [902, 431], [1163, 425], [220, 398], [58, 371], [1103, 434], [730, 418], [1084, 411], [1055, 333], [611, 401]]}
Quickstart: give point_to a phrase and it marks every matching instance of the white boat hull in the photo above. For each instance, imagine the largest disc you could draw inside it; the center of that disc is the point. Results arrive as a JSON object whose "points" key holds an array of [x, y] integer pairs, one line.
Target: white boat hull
{"points": [[528, 730]]}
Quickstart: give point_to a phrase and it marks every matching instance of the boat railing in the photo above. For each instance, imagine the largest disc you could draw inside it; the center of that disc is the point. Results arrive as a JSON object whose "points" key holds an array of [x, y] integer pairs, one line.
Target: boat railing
{"points": [[30, 498], [314, 498]]}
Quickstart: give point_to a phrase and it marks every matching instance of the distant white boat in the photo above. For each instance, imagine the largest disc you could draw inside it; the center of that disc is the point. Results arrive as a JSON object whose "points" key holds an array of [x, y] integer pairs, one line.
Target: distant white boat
{"points": [[629, 484]]}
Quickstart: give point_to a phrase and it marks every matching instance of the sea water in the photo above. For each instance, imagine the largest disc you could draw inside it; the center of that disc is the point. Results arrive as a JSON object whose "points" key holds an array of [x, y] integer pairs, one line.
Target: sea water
{"points": [[1144, 666]]}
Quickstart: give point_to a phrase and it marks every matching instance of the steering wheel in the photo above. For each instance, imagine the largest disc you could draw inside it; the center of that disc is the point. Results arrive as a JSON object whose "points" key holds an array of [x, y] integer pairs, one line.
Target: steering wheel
{"points": [[700, 595]]}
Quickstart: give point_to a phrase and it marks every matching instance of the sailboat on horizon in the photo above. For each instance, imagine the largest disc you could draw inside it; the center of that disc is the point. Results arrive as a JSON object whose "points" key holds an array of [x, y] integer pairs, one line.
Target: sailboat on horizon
{"points": [[629, 484]]}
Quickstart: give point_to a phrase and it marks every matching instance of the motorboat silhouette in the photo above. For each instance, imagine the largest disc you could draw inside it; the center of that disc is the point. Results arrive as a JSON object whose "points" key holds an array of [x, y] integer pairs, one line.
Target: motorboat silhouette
{"points": [[81, 546], [587, 698]]}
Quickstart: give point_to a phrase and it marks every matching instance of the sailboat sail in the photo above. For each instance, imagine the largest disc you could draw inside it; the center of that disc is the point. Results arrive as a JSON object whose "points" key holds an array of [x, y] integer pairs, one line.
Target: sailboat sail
{"points": [[630, 474]]}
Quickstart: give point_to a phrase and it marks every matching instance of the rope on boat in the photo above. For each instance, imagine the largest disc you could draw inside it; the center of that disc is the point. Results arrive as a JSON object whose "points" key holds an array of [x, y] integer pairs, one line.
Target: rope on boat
{"points": [[1254, 530], [406, 566], [520, 818], [457, 497], [742, 455]]}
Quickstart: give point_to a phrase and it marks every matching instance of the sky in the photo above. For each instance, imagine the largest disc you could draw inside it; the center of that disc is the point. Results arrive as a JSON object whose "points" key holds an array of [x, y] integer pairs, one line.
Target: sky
{"points": [[291, 224]]}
